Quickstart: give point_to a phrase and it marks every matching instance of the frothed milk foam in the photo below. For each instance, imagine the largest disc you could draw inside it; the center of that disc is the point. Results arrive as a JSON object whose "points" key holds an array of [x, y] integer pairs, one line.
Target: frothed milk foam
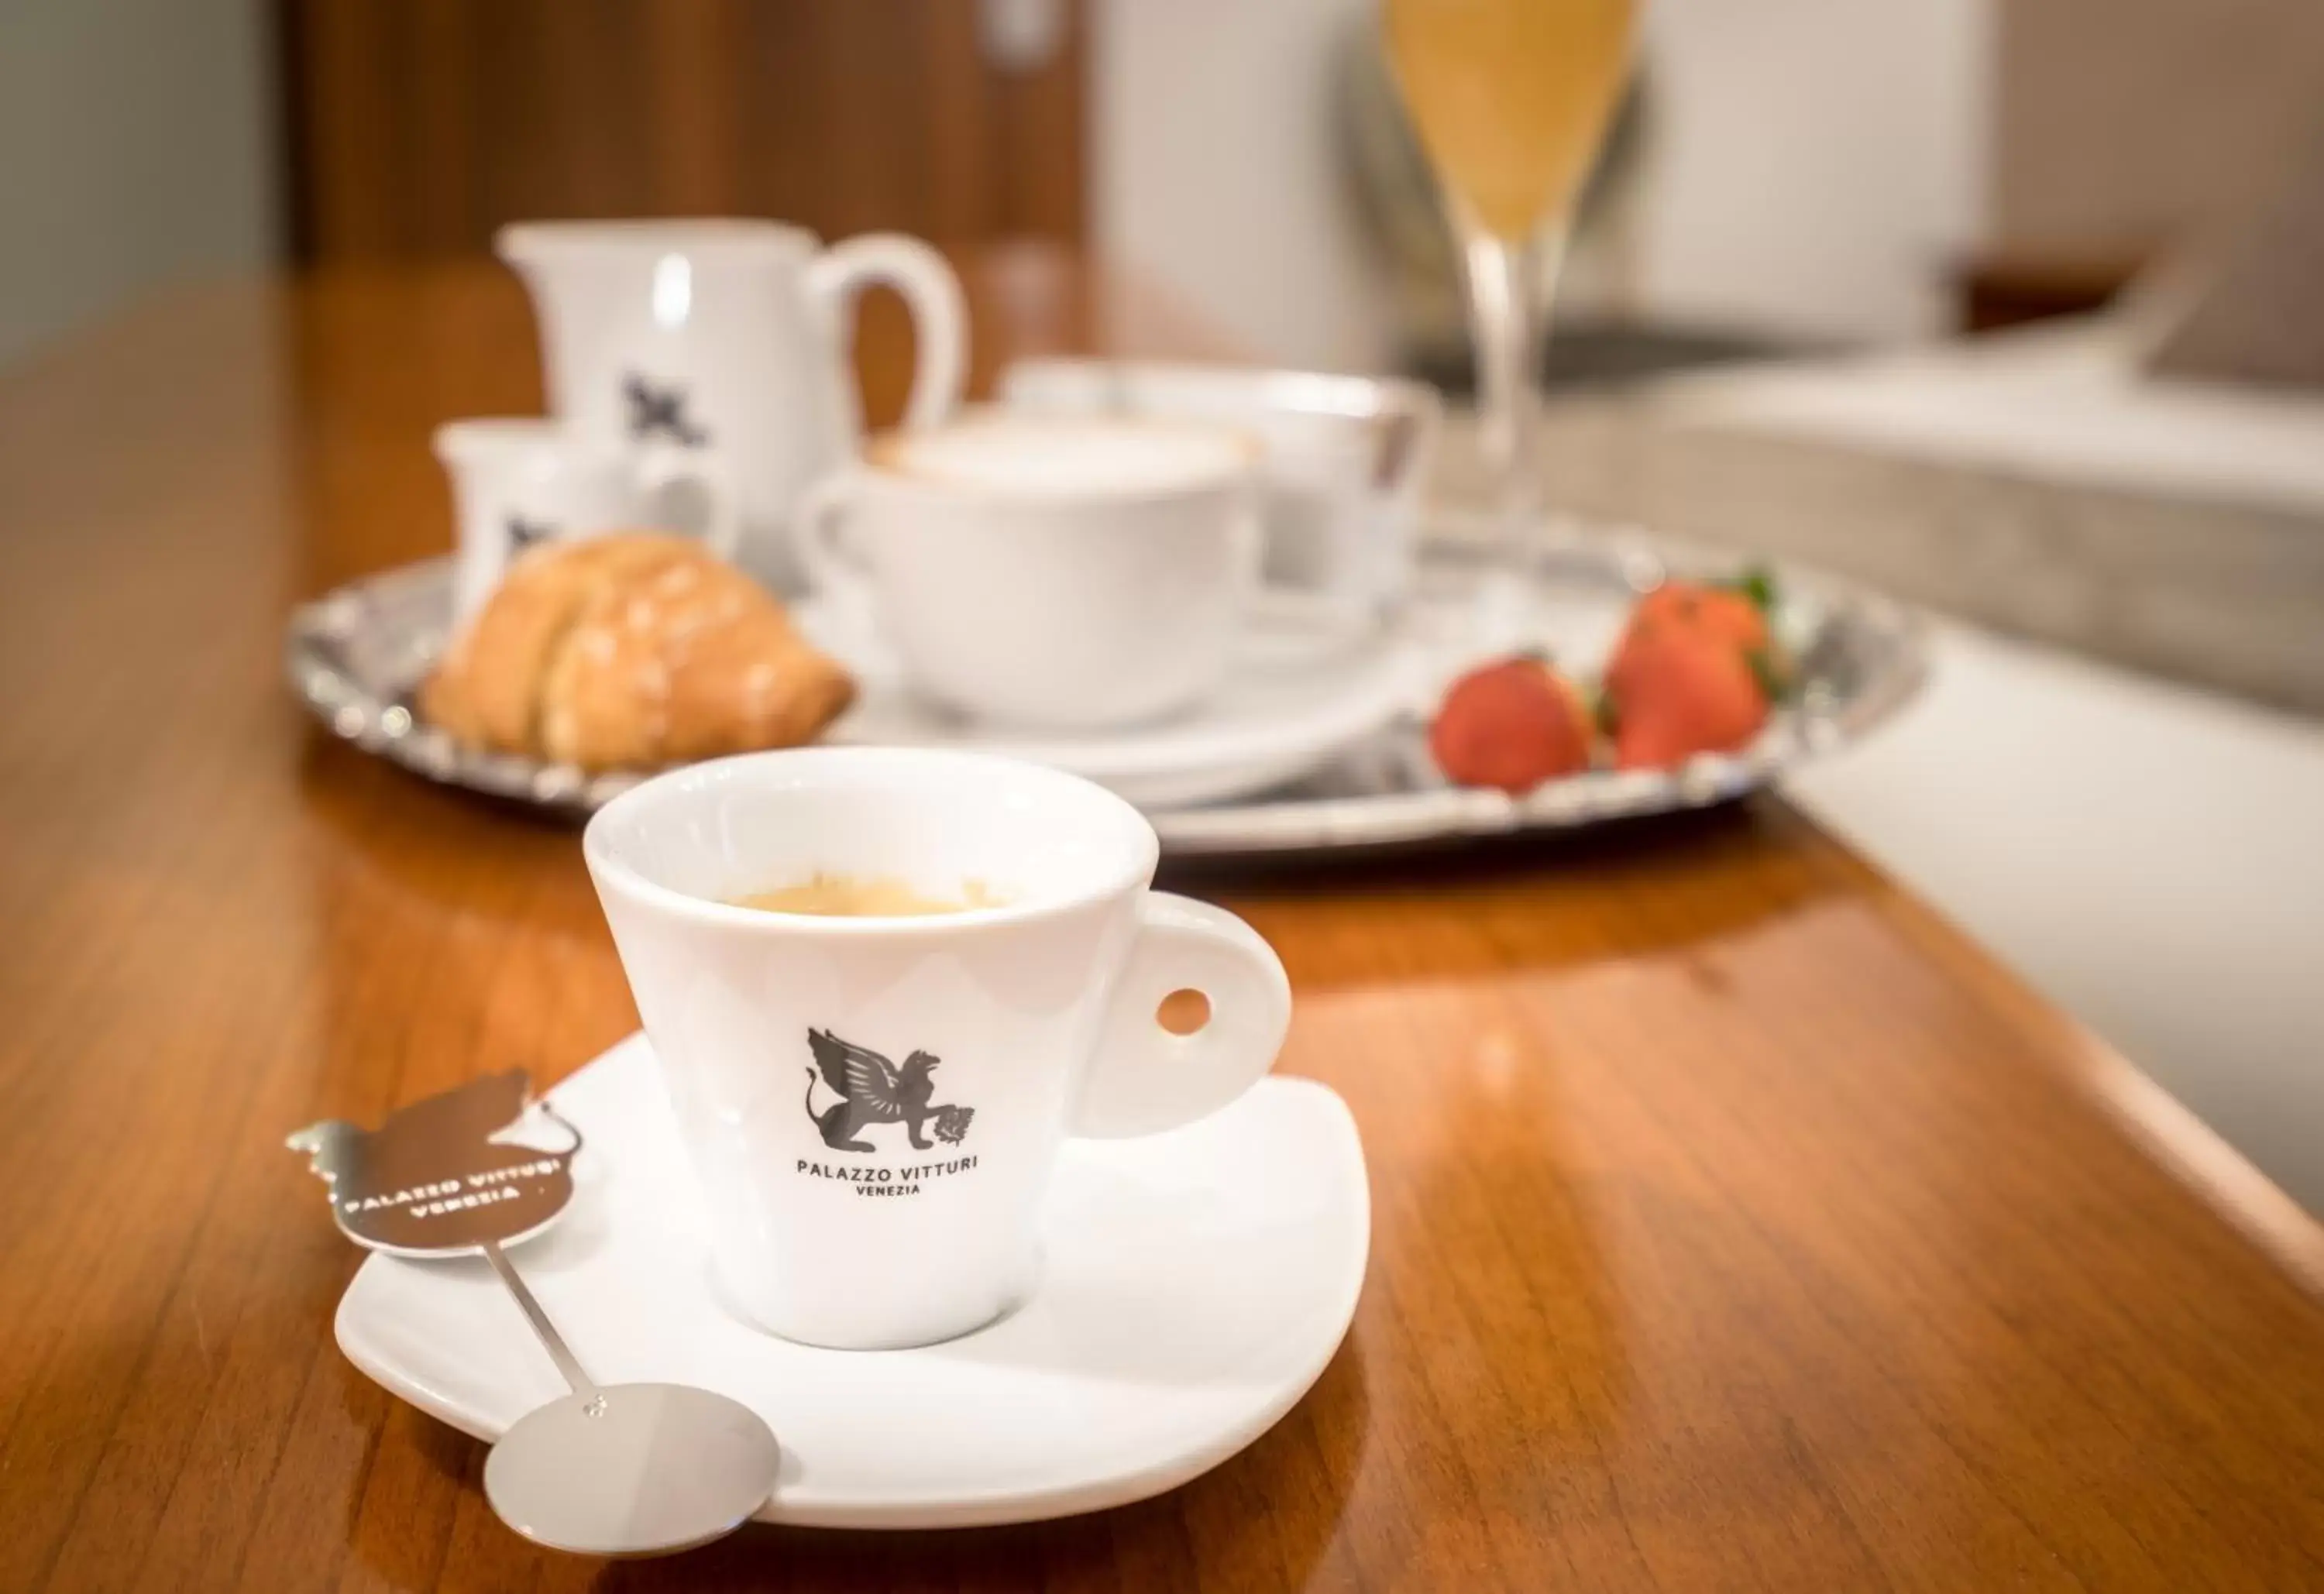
{"points": [[1064, 457]]}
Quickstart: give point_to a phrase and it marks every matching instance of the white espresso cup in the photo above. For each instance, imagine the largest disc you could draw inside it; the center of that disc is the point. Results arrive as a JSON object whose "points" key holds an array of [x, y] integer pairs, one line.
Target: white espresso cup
{"points": [[518, 481], [873, 1106], [1057, 573]]}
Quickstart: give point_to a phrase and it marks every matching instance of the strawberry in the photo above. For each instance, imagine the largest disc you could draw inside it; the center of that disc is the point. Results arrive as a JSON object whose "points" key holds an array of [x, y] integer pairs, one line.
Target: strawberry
{"points": [[1512, 724], [1723, 611], [1677, 688]]}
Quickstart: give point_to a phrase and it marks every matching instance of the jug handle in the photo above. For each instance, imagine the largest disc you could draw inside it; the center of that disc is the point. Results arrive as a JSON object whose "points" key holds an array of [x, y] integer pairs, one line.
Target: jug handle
{"points": [[930, 291]]}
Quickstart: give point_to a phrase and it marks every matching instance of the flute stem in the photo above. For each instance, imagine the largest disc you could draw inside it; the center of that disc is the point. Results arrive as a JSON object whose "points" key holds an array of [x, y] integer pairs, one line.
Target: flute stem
{"points": [[1510, 283]]}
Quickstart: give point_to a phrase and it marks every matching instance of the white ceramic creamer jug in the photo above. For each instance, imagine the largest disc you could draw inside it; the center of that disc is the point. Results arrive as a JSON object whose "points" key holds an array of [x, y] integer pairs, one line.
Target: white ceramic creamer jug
{"points": [[733, 337]]}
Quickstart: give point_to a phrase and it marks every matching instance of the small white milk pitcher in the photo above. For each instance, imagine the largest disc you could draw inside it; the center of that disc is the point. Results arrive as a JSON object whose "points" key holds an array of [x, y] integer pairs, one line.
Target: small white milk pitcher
{"points": [[733, 336]]}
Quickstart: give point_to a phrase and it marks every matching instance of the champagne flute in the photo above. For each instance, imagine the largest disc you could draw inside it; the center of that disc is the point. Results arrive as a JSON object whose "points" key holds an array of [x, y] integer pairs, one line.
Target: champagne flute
{"points": [[1511, 99]]}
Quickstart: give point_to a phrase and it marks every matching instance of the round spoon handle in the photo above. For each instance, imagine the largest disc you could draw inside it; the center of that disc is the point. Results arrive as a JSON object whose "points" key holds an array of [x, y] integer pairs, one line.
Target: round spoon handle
{"points": [[542, 1327]]}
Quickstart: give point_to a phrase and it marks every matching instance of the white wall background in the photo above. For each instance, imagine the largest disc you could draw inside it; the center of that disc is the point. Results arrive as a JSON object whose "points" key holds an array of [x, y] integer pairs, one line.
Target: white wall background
{"points": [[136, 147], [1820, 162], [1817, 164], [1215, 171]]}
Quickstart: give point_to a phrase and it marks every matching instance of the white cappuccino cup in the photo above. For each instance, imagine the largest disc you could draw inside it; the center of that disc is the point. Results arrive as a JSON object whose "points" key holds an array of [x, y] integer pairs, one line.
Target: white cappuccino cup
{"points": [[1066, 574], [873, 1105]]}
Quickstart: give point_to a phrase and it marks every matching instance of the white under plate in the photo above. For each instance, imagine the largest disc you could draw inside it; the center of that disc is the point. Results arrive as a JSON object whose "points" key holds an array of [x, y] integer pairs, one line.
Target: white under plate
{"points": [[1197, 1284], [1296, 699]]}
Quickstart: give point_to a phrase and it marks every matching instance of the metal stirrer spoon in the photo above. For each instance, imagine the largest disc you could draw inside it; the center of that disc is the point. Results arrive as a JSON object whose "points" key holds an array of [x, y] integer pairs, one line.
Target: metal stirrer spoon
{"points": [[612, 1470]]}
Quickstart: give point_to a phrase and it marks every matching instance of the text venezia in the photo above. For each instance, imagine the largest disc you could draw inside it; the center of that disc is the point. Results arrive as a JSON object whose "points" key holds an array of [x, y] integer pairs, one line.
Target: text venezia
{"points": [[869, 1181]]}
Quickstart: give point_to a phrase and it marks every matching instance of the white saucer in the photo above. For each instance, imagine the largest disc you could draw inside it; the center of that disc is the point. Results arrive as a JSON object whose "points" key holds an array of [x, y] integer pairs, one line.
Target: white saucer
{"points": [[1197, 1284], [1297, 698]]}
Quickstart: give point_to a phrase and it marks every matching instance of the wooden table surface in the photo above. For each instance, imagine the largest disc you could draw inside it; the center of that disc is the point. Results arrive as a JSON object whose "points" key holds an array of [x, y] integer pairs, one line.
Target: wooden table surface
{"points": [[1736, 1222]]}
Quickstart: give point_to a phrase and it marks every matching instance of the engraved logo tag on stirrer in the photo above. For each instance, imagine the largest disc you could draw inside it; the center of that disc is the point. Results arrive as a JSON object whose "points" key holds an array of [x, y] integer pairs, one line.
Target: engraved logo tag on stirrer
{"points": [[432, 1180], [616, 1470]]}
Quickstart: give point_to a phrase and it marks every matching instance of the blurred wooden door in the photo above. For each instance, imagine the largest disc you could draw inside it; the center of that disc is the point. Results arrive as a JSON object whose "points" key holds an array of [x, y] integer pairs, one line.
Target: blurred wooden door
{"points": [[417, 126]]}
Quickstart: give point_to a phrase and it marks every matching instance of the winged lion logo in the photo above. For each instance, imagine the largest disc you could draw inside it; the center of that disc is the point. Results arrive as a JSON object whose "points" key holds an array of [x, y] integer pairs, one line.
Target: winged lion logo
{"points": [[872, 1090], [657, 411]]}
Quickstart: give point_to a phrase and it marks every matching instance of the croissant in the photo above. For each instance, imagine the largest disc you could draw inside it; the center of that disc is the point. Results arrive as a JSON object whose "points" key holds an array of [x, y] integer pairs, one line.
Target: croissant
{"points": [[630, 651]]}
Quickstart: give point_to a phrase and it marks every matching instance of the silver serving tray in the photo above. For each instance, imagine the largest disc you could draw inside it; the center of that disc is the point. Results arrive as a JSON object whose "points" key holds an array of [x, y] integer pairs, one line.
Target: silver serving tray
{"points": [[354, 655]]}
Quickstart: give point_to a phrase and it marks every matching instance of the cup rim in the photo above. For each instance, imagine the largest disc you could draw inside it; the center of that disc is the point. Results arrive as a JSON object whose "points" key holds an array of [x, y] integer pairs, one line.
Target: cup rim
{"points": [[521, 241], [612, 874], [1266, 390], [1239, 464]]}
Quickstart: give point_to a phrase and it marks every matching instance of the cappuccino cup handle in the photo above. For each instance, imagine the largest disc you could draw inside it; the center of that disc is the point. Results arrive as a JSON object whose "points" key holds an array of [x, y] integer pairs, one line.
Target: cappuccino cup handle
{"points": [[1145, 1078], [930, 291], [662, 468], [818, 536]]}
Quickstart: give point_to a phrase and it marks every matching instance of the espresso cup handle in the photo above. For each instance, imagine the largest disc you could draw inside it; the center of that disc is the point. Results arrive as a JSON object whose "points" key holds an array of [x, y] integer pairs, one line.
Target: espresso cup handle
{"points": [[662, 468], [1146, 1079], [931, 292]]}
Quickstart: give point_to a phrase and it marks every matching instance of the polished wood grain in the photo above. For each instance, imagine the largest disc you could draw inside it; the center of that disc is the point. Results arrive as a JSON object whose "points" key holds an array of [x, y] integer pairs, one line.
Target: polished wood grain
{"points": [[415, 127], [1737, 1223]]}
